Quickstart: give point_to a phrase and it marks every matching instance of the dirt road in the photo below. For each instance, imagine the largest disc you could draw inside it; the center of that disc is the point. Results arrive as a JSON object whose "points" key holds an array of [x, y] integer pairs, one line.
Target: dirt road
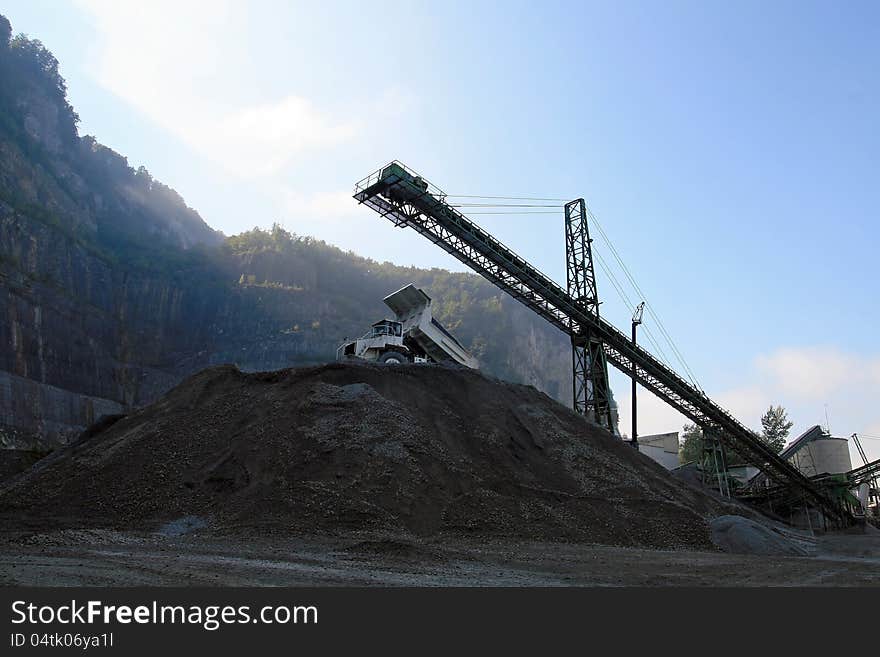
{"points": [[105, 558]]}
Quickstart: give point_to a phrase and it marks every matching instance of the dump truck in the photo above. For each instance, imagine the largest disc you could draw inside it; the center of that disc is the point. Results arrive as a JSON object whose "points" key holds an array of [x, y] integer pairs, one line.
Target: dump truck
{"points": [[413, 336]]}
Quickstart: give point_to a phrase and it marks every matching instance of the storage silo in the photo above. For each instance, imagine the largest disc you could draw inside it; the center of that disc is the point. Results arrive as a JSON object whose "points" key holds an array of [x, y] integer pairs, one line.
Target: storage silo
{"points": [[823, 455]]}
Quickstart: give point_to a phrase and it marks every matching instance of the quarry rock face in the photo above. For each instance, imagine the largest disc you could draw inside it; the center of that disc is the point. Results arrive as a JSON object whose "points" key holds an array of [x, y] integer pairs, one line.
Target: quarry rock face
{"points": [[415, 449], [85, 337], [88, 334], [63, 296], [112, 289], [91, 328]]}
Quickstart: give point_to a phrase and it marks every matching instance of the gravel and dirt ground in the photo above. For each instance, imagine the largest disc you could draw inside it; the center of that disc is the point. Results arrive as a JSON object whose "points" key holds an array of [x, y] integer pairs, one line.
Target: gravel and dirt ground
{"points": [[368, 474], [107, 558]]}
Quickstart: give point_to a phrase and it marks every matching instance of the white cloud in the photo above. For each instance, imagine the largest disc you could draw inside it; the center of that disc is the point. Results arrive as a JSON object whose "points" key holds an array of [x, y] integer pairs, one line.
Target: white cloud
{"points": [[747, 402], [335, 216], [319, 205], [159, 55], [655, 415], [807, 381], [816, 372], [261, 140], [175, 62]]}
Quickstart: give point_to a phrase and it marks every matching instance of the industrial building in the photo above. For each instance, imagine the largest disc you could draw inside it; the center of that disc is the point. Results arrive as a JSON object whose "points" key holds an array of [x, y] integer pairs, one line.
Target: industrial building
{"points": [[662, 448], [815, 452]]}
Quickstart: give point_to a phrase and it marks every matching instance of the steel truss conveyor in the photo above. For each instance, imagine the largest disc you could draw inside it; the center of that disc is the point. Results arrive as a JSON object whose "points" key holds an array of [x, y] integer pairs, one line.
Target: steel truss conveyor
{"points": [[865, 473], [408, 200]]}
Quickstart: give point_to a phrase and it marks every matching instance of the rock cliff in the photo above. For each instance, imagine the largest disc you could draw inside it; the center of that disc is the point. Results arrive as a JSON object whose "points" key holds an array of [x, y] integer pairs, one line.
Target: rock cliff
{"points": [[112, 289]]}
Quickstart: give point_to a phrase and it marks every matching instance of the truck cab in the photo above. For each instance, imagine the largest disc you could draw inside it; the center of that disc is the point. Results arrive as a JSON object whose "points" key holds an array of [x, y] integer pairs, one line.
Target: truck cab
{"points": [[388, 327], [383, 343]]}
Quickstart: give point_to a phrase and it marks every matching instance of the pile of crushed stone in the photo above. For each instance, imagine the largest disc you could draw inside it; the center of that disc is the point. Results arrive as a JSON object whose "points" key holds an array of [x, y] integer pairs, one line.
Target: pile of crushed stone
{"points": [[422, 450], [13, 461], [741, 535]]}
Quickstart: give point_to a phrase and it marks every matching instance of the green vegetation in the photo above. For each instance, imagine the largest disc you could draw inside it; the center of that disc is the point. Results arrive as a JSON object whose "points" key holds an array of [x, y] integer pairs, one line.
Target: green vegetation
{"points": [[776, 427], [51, 174], [346, 292], [26, 63], [691, 447]]}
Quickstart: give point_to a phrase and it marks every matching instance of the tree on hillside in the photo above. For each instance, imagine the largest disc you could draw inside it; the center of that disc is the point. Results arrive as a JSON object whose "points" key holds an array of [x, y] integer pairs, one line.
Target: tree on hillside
{"points": [[691, 447], [5, 32], [24, 64], [776, 425]]}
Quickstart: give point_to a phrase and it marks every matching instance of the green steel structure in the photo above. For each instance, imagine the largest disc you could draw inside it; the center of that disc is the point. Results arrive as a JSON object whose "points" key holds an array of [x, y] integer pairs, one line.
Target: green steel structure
{"points": [[408, 200], [592, 393]]}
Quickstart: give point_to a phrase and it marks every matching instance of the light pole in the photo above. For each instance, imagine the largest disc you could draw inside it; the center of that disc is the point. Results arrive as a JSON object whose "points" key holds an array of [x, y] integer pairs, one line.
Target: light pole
{"points": [[636, 320]]}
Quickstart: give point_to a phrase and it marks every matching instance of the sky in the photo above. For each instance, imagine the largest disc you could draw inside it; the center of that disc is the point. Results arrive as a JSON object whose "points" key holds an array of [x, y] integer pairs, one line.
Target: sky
{"points": [[730, 152]]}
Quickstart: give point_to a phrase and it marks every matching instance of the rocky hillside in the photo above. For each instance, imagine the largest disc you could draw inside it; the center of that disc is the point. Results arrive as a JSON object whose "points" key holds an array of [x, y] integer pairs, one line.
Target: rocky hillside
{"points": [[112, 289]]}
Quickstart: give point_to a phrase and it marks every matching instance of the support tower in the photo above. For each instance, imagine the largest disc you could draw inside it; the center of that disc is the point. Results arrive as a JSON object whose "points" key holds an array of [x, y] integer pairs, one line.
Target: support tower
{"points": [[592, 396]]}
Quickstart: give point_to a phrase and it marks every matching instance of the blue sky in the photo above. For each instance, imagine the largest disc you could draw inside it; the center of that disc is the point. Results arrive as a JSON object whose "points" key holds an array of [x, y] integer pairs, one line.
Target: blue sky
{"points": [[730, 151]]}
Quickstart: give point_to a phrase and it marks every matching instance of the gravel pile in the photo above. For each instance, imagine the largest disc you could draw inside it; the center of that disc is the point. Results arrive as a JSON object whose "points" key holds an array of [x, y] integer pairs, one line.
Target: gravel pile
{"points": [[422, 450], [744, 536]]}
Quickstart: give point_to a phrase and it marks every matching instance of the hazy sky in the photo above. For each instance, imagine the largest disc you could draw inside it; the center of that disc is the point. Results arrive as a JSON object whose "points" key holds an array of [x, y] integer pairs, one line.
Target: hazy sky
{"points": [[730, 151]]}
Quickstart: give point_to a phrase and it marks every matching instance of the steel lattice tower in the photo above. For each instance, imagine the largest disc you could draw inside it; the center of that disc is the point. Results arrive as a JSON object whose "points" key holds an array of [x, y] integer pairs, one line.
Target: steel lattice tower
{"points": [[592, 394]]}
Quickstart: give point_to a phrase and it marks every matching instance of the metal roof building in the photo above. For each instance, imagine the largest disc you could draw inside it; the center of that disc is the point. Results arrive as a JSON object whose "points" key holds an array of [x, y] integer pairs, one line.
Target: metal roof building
{"points": [[816, 452]]}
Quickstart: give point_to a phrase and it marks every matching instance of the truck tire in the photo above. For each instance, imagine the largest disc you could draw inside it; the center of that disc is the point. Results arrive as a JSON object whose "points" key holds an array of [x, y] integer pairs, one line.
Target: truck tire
{"points": [[393, 358]]}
